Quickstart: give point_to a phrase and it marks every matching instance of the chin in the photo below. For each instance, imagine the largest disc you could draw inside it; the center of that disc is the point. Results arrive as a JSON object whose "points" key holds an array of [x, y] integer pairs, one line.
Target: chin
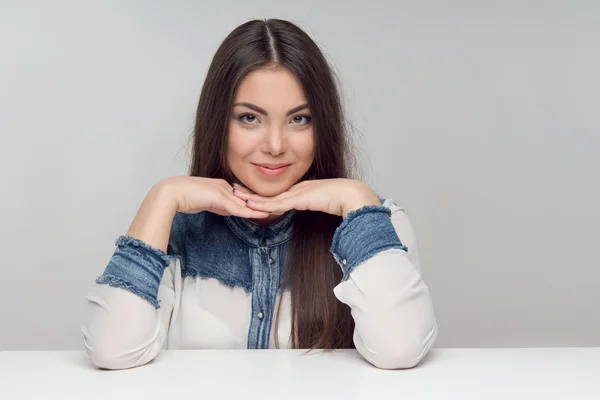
{"points": [[269, 189]]}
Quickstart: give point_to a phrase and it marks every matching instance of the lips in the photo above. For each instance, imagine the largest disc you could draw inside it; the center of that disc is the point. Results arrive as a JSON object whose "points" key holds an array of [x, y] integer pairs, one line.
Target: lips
{"points": [[272, 166], [271, 169]]}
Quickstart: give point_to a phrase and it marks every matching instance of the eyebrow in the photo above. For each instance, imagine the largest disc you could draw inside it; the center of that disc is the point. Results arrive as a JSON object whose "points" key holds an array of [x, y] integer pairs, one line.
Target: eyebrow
{"points": [[265, 113]]}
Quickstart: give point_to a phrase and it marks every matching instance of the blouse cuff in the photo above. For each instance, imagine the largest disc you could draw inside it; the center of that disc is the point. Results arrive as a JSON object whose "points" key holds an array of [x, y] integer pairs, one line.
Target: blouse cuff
{"points": [[364, 233], [137, 267]]}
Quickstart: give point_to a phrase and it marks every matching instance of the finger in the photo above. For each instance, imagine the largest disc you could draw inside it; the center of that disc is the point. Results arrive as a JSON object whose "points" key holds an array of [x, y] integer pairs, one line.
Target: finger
{"points": [[230, 195], [242, 188], [278, 207], [244, 196], [256, 207], [260, 199], [242, 211], [238, 187]]}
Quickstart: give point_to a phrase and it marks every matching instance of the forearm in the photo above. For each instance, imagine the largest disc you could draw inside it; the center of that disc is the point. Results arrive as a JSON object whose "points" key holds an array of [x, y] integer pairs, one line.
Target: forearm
{"points": [[129, 308], [390, 303], [361, 196], [152, 223], [122, 330], [392, 310]]}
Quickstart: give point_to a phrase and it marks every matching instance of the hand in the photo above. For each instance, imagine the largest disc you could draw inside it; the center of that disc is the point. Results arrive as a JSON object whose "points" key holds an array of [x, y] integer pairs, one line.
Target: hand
{"points": [[332, 196], [193, 194]]}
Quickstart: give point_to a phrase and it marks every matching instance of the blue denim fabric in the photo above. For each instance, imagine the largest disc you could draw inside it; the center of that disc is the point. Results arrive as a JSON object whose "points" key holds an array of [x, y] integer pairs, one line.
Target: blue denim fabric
{"points": [[364, 233], [137, 267], [240, 253]]}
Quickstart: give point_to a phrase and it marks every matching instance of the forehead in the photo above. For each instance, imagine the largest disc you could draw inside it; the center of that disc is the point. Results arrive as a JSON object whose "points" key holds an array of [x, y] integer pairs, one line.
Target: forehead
{"points": [[271, 88]]}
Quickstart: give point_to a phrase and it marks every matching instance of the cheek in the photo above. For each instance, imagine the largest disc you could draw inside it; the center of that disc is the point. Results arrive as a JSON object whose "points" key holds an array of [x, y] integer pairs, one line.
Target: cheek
{"points": [[305, 146], [238, 146]]}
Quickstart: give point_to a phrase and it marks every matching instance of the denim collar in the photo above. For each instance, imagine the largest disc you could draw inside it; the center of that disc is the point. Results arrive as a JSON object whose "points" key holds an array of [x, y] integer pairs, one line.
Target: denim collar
{"points": [[262, 236]]}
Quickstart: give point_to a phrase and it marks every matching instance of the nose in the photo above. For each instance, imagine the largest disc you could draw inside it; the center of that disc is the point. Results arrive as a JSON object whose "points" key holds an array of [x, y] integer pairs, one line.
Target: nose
{"points": [[275, 142]]}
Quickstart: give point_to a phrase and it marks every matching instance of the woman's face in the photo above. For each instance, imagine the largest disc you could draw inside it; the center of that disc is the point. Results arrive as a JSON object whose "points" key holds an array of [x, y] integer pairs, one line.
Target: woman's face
{"points": [[271, 141]]}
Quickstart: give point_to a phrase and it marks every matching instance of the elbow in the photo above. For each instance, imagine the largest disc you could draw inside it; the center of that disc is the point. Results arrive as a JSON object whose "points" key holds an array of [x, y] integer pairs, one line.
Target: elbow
{"points": [[400, 358], [404, 354], [105, 360], [109, 342], [106, 356], [108, 353]]}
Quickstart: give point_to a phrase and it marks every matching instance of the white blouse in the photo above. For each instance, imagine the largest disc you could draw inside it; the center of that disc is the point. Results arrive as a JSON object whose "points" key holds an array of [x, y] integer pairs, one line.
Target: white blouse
{"points": [[389, 301]]}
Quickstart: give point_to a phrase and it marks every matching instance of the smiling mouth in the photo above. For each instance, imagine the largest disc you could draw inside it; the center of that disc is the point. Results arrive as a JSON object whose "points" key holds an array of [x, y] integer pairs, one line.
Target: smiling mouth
{"points": [[271, 169]]}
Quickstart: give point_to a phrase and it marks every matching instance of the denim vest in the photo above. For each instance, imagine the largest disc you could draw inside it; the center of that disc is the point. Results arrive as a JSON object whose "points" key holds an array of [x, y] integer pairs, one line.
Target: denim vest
{"points": [[239, 253]]}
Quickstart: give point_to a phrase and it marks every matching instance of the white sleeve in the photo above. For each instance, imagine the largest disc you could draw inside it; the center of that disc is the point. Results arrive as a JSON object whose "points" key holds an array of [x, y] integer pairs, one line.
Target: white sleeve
{"points": [[122, 330], [390, 303]]}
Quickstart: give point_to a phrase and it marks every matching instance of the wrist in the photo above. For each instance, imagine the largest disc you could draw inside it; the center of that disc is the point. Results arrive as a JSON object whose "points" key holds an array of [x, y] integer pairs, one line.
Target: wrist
{"points": [[152, 223], [363, 196], [162, 196]]}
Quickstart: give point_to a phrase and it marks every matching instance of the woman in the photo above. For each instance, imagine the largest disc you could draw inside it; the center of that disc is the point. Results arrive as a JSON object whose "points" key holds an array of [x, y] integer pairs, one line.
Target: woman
{"points": [[267, 243]]}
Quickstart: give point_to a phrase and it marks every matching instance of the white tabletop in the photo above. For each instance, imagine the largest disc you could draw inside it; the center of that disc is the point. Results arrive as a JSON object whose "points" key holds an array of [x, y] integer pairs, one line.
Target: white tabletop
{"points": [[567, 373]]}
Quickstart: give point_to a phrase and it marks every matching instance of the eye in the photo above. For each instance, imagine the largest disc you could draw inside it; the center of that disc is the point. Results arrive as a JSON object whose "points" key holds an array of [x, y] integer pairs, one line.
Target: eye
{"points": [[248, 118], [301, 120]]}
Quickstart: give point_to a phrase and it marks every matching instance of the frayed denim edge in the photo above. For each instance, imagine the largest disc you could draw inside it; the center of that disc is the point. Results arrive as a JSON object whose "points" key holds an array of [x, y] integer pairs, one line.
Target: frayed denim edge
{"points": [[347, 269], [356, 213], [128, 240], [227, 282], [117, 282], [351, 267]]}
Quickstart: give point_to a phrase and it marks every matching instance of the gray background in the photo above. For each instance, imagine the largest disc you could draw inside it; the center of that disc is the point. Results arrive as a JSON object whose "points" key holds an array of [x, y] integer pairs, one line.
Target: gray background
{"points": [[480, 117]]}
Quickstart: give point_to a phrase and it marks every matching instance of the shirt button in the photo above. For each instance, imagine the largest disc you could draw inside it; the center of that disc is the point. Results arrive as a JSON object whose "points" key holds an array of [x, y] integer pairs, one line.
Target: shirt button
{"points": [[260, 315], [344, 261]]}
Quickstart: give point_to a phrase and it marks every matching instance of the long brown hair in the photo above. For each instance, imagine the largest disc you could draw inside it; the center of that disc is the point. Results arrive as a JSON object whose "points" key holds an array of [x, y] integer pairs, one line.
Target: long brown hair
{"points": [[319, 320]]}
